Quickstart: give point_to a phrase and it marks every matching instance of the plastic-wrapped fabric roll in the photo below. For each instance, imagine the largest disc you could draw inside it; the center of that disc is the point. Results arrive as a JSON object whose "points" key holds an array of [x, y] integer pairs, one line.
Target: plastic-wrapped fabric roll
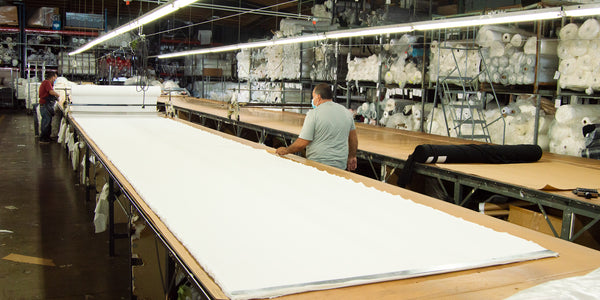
{"points": [[530, 45], [578, 47], [567, 66], [389, 77], [529, 77], [584, 63], [486, 36], [563, 50], [516, 58], [506, 37], [569, 32], [509, 49], [573, 113], [503, 61], [530, 60], [512, 78], [516, 40], [496, 49], [589, 30], [520, 78], [495, 77], [504, 79], [494, 62]]}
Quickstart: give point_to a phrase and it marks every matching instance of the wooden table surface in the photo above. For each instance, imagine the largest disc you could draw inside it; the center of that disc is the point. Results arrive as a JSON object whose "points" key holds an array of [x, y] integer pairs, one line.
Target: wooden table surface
{"points": [[496, 282], [555, 174]]}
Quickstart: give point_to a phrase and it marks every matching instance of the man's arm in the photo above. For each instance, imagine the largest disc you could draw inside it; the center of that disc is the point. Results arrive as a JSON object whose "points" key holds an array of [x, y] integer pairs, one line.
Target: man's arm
{"points": [[352, 148], [54, 93], [297, 146]]}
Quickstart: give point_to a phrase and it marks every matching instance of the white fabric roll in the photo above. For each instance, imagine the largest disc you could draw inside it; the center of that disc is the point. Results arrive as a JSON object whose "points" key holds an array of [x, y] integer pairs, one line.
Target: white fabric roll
{"points": [[589, 30], [569, 32], [512, 78], [494, 61], [506, 37], [509, 49], [530, 45], [567, 66], [563, 50], [529, 77], [584, 63], [496, 49], [485, 36], [578, 47], [530, 60], [504, 79], [503, 61], [495, 77], [516, 58], [516, 40]]}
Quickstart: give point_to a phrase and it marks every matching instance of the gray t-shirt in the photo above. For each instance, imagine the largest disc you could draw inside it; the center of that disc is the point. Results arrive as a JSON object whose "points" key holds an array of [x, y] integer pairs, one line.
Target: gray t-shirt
{"points": [[328, 127]]}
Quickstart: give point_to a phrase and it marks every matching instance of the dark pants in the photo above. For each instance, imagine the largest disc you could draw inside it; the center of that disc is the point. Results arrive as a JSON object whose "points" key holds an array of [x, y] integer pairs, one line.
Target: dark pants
{"points": [[46, 110]]}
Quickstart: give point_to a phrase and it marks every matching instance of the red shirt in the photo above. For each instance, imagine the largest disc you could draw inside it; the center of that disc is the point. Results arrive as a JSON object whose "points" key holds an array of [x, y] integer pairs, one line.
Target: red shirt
{"points": [[45, 89]]}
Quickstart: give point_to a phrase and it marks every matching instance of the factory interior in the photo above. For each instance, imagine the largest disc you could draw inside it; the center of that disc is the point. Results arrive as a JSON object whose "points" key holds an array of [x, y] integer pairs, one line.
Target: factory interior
{"points": [[299, 149]]}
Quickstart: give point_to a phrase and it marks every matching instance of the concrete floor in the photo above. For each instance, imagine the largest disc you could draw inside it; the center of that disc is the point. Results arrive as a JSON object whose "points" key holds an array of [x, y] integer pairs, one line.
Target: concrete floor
{"points": [[44, 207]]}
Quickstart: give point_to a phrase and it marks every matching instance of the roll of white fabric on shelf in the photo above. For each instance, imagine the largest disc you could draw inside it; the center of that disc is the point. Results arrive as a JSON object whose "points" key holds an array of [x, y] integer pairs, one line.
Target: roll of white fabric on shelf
{"points": [[503, 62], [495, 77], [529, 77], [509, 49], [530, 60], [569, 32], [567, 66], [517, 40], [584, 63], [563, 50], [530, 45], [496, 49], [486, 36], [578, 47], [512, 78], [589, 30], [506, 37]]}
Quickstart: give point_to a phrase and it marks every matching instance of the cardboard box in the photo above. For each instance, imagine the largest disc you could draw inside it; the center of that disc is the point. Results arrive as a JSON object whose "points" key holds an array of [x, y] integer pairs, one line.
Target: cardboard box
{"points": [[43, 17], [212, 72], [9, 15], [147, 277], [447, 10]]}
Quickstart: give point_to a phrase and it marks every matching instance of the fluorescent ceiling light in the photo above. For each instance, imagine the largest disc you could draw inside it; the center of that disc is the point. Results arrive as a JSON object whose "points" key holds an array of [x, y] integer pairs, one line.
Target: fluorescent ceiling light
{"points": [[511, 17], [500, 18], [300, 39], [582, 10], [153, 15], [390, 29]]}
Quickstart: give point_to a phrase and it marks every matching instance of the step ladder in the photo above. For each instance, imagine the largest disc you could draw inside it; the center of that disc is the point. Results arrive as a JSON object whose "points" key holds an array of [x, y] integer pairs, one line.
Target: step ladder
{"points": [[462, 103]]}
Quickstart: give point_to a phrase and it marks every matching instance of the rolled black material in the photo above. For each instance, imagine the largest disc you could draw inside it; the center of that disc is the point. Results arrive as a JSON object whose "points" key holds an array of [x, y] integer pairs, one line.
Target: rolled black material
{"points": [[592, 152], [591, 133], [484, 153]]}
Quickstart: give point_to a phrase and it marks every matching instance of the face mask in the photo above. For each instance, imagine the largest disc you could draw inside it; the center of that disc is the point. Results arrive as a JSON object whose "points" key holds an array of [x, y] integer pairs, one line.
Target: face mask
{"points": [[312, 103]]}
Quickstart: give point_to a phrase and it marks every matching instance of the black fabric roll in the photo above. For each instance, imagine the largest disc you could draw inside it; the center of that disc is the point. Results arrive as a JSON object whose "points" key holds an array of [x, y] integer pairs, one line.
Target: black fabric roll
{"points": [[591, 152], [483, 153]]}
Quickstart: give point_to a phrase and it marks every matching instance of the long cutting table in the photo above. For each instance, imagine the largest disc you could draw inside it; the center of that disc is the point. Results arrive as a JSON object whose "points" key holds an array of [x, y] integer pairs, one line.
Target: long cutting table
{"points": [[494, 282], [546, 183]]}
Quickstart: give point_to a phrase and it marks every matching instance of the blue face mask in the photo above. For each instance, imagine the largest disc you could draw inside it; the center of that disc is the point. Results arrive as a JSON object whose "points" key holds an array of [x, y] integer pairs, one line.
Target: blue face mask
{"points": [[312, 103]]}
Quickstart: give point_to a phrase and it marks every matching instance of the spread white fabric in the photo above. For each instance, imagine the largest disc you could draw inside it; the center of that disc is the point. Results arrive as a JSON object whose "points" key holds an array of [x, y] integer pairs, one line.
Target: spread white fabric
{"points": [[264, 226]]}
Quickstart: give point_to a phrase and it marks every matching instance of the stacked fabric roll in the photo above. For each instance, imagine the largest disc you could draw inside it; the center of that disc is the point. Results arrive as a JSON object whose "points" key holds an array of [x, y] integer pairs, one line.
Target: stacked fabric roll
{"points": [[401, 69], [364, 69], [243, 64], [283, 61], [323, 66], [566, 136], [452, 59], [579, 53], [509, 55], [519, 118]]}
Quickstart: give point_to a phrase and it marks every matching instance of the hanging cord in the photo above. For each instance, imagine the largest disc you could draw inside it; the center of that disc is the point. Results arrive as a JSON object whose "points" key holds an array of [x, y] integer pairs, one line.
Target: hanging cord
{"points": [[141, 48]]}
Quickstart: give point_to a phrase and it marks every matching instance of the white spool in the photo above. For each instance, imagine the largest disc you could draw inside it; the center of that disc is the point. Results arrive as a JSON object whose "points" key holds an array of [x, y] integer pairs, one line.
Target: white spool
{"points": [[578, 47], [563, 50], [506, 37]]}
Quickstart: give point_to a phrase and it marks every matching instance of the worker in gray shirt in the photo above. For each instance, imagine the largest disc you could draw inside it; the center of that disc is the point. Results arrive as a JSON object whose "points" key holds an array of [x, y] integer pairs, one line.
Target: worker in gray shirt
{"points": [[328, 133]]}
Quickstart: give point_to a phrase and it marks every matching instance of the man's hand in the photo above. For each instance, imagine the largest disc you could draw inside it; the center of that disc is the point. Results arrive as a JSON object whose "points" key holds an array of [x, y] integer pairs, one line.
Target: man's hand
{"points": [[352, 163], [282, 151]]}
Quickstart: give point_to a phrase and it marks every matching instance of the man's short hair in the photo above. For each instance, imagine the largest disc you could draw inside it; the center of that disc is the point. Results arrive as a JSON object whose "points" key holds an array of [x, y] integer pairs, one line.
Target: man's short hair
{"points": [[50, 74], [324, 90]]}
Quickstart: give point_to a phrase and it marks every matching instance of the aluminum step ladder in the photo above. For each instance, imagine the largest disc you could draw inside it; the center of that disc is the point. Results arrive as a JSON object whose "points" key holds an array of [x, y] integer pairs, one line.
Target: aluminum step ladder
{"points": [[462, 103]]}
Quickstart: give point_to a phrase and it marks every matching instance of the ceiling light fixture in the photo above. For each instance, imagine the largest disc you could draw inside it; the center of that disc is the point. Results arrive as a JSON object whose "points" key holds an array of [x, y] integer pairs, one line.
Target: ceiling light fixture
{"points": [[153, 15], [495, 18]]}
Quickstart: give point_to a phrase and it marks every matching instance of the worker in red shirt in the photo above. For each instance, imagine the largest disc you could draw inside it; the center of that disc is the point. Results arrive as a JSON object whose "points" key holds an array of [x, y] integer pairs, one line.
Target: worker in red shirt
{"points": [[48, 98]]}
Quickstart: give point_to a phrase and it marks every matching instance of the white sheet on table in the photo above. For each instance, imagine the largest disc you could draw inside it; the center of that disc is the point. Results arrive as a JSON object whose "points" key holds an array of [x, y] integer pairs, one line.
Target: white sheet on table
{"points": [[106, 98], [264, 226]]}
